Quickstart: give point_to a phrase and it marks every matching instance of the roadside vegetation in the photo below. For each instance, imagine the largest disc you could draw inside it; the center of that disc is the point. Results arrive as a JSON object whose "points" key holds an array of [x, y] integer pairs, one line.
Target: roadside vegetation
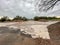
{"points": [[37, 18], [16, 19], [5, 18], [20, 18]]}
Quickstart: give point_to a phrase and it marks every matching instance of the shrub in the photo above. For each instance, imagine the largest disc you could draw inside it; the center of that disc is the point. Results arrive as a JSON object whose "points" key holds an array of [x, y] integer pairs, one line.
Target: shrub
{"points": [[17, 18], [36, 18], [24, 19], [5, 18]]}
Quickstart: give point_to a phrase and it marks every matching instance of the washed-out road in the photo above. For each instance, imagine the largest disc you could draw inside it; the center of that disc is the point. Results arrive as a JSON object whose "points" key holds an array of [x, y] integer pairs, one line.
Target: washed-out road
{"points": [[34, 28], [24, 33]]}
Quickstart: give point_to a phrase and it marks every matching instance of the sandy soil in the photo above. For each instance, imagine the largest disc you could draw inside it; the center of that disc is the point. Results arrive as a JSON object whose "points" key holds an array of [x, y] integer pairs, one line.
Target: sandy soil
{"points": [[11, 34], [34, 28]]}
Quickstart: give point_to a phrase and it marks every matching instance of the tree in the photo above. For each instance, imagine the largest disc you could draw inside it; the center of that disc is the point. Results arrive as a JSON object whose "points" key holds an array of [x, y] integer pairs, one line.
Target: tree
{"points": [[17, 18], [24, 19], [5, 18], [36, 18], [45, 5]]}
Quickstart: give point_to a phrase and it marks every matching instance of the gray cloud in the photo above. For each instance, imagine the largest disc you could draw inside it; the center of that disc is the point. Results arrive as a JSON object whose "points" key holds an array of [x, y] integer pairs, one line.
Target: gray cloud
{"points": [[24, 8]]}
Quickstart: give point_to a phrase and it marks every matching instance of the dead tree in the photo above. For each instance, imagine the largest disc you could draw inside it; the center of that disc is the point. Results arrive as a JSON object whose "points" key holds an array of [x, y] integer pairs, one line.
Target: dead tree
{"points": [[45, 5]]}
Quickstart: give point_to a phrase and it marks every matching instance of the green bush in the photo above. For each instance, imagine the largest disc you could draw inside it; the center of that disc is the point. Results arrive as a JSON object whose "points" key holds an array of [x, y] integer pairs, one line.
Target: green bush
{"points": [[17, 18], [24, 19], [36, 18], [5, 18]]}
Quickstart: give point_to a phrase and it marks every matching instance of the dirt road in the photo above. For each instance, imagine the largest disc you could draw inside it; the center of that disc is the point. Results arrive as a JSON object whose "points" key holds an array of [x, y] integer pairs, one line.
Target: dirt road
{"points": [[25, 33]]}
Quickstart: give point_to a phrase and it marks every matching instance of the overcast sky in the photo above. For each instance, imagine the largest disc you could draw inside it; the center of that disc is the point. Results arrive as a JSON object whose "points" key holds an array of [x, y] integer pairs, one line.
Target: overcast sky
{"points": [[26, 8]]}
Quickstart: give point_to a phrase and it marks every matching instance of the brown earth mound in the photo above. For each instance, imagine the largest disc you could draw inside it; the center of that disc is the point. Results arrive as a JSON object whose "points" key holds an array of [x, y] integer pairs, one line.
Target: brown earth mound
{"points": [[54, 31]]}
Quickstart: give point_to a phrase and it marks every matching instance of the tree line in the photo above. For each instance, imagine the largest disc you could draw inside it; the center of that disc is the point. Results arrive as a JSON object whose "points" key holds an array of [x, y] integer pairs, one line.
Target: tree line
{"points": [[20, 18], [17, 18], [37, 18]]}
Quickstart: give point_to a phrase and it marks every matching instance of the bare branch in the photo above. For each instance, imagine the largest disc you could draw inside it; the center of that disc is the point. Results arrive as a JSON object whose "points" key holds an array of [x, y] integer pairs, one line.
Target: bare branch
{"points": [[45, 5]]}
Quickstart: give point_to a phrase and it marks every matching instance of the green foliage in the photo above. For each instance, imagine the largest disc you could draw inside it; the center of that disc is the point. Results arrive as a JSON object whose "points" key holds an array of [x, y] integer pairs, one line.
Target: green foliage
{"points": [[17, 18], [24, 19], [36, 18], [5, 18]]}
